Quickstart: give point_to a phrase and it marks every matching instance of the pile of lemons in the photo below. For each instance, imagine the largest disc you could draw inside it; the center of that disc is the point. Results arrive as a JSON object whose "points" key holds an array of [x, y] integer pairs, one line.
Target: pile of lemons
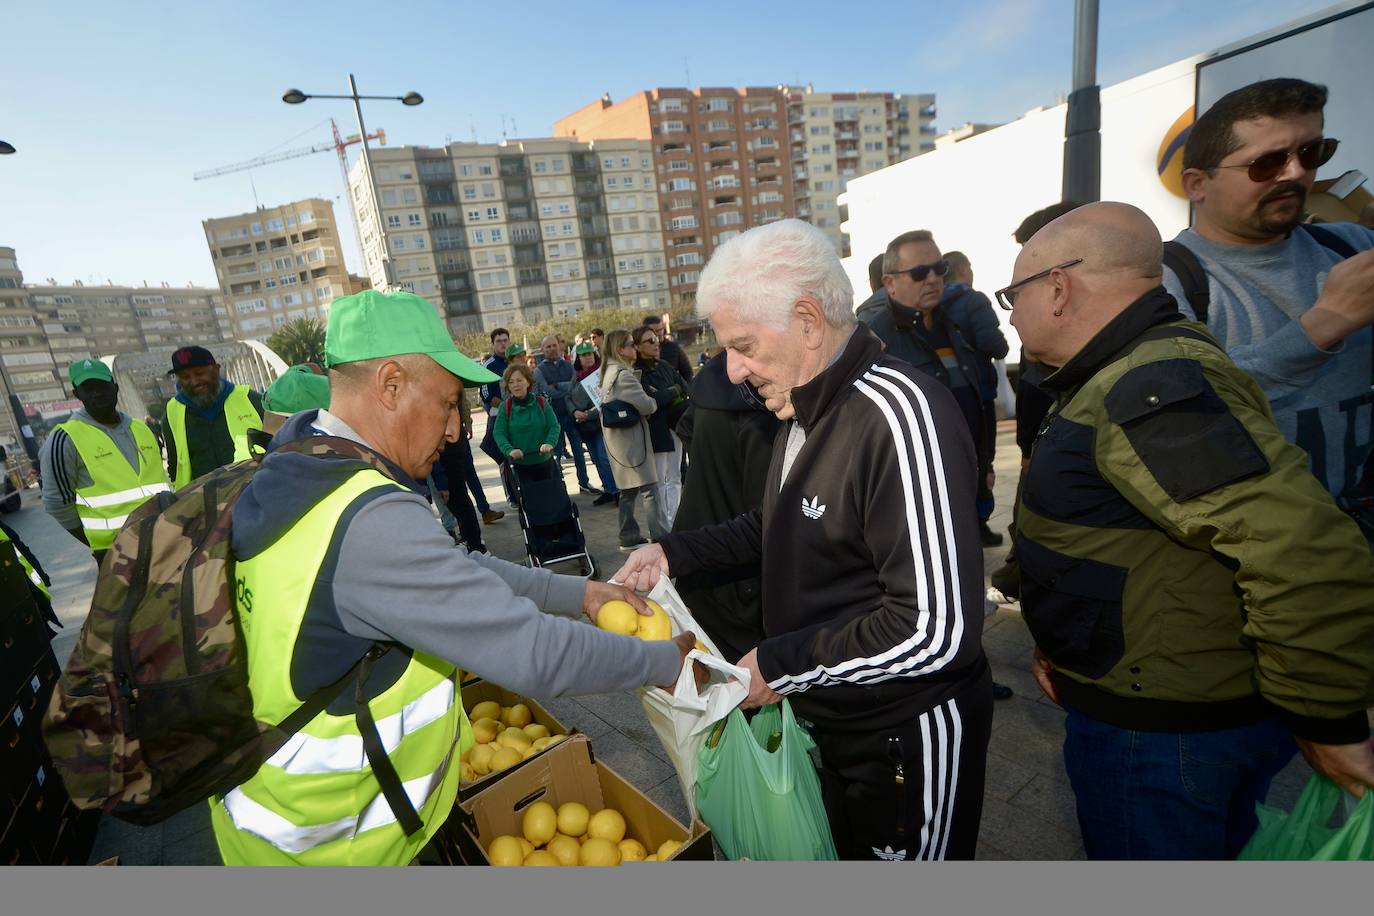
{"points": [[505, 736], [572, 835]]}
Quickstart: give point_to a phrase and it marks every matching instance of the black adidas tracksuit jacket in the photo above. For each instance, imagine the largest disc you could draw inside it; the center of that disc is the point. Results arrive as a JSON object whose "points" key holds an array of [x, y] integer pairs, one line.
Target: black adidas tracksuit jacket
{"points": [[872, 574]]}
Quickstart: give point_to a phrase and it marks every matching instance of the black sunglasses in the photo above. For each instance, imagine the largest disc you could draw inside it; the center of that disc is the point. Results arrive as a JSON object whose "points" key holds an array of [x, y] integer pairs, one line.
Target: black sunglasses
{"points": [[1311, 155], [921, 271], [1006, 297]]}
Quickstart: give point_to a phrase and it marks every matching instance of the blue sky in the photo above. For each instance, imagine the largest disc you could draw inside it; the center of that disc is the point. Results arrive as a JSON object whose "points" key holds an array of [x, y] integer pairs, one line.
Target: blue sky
{"points": [[113, 106]]}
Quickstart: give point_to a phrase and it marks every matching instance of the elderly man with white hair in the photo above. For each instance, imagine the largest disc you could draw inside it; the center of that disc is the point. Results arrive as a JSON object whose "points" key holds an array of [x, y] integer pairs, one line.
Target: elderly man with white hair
{"points": [[867, 547]]}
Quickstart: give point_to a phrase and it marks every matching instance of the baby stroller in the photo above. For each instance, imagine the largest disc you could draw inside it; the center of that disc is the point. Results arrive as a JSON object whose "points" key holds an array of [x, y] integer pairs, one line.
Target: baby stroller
{"points": [[549, 521]]}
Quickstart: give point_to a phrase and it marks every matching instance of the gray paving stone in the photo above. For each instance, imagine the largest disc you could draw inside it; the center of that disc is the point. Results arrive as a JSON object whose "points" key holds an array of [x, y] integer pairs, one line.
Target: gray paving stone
{"points": [[574, 715], [668, 796], [624, 712], [185, 823], [632, 761], [1005, 777], [1050, 799], [1021, 834], [134, 845], [197, 849]]}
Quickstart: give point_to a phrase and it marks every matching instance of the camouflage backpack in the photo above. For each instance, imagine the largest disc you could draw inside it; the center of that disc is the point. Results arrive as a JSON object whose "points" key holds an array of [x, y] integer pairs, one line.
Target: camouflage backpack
{"points": [[153, 712]]}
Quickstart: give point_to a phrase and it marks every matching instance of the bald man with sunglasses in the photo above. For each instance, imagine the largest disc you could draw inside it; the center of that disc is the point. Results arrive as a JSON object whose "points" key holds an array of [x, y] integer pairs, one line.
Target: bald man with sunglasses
{"points": [[1292, 304]]}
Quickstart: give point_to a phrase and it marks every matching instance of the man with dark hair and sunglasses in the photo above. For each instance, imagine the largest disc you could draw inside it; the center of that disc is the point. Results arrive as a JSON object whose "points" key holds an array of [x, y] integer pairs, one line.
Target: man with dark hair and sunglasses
{"points": [[1291, 303]]}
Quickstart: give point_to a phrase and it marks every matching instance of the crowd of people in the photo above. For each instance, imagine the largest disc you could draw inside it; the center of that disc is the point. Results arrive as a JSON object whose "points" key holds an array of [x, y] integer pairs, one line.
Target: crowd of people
{"points": [[1190, 549]]}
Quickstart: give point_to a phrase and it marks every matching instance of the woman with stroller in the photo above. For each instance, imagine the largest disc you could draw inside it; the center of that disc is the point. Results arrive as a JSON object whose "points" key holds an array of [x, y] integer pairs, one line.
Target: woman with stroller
{"points": [[587, 416], [668, 388], [629, 447], [526, 428]]}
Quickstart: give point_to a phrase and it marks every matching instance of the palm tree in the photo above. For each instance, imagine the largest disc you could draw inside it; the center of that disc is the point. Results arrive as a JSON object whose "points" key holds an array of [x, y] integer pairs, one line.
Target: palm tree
{"points": [[300, 341]]}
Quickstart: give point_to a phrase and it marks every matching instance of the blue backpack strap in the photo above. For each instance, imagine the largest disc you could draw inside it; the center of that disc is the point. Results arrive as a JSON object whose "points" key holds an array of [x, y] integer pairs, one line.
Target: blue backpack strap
{"points": [[1329, 240]]}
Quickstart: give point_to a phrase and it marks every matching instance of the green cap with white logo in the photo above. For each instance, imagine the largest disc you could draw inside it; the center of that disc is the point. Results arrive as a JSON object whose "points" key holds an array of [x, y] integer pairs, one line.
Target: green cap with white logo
{"points": [[372, 325], [83, 370], [298, 388]]}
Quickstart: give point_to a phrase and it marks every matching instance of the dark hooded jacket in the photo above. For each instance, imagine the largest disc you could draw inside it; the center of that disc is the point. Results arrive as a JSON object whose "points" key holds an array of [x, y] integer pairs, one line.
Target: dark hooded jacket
{"points": [[729, 437]]}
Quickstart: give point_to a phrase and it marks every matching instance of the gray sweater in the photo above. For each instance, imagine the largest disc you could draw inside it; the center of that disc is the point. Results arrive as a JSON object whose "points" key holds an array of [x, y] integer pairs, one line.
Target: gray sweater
{"points": [[63, 471], [1322, 399], [399, 578]]}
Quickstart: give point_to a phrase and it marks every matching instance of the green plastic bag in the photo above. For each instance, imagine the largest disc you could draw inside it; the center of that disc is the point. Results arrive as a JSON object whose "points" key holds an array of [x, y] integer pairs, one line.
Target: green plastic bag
{"points": [[1304, 835], [758, 790]]}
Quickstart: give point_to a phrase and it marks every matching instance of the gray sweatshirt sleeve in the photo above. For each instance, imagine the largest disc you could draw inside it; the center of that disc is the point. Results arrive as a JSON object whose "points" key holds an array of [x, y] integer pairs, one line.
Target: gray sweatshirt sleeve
{"points": [[400, 578], [58, 461]]}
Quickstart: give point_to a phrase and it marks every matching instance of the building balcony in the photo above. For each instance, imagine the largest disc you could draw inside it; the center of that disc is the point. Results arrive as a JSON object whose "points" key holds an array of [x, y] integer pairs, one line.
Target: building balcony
{"points": [[803, 212]]}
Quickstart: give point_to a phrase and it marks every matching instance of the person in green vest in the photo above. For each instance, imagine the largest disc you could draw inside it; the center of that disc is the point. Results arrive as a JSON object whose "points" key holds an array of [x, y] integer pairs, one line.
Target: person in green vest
{"points": [[336, 551], [101, 464], [207, 423], [40, 585]]}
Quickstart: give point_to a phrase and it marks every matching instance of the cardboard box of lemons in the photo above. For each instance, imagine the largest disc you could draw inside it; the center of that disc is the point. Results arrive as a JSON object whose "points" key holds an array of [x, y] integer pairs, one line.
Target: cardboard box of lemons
{"points": [[539, 823], [488, 709], [506, 850], [597, 851], [606, 824]]}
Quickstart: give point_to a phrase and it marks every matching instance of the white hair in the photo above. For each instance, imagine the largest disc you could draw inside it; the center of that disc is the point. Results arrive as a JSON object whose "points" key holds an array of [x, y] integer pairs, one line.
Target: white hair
{"points": [[763, 272]]}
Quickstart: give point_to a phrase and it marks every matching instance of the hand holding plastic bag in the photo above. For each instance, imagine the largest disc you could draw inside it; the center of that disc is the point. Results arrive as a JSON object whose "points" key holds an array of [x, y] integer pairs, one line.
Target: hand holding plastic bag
{"points": [[1304, 835], [758, 790]]}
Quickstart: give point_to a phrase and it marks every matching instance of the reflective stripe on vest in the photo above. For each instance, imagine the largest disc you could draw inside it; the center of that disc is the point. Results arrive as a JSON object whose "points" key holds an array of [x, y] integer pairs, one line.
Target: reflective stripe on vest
{"points": [[29, 571], [315, 801], [239, 414], [116, 487]]}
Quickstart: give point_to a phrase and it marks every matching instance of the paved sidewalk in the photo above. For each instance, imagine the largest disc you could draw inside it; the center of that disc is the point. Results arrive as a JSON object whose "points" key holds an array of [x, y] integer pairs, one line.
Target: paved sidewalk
{"points": [[1028, 810]]}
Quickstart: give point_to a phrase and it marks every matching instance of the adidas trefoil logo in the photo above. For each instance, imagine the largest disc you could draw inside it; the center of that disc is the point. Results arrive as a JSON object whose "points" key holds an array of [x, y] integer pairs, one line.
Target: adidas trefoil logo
{"points": [[888, 855], [812, 509]]}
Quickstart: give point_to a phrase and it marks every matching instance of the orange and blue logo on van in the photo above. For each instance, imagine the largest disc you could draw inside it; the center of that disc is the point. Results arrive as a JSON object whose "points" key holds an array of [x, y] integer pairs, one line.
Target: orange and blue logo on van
{"points": [[1169, 162]]}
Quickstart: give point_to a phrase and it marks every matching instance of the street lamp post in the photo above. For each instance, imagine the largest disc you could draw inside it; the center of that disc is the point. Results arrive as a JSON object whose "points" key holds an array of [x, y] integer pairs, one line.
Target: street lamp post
{"points": [[1083, 120], [295, 97]]}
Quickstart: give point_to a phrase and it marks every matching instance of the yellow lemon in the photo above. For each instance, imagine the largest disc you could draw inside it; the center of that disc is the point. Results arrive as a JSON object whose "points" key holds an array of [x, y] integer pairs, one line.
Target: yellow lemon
{"points": [[466, 773], [540, 823], [542, 857], [480, 759], [565, 849], [653, 858], [607, 824], [485, 730], [535, 730], [598, 852], [525, 846], [506, 850], [702, 647], [668, 848], [618, 617], [539, 744], [572, 818], [514, 737], [632, 851], [519, 716], [554, 739], [504, 759], [656, 627], [490, 709]]}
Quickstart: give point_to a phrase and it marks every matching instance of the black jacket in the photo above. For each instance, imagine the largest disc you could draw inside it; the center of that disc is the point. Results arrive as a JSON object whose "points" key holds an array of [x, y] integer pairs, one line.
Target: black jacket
{"points": [[675, 356], [871, 565], [729, 435], [665, 385]]}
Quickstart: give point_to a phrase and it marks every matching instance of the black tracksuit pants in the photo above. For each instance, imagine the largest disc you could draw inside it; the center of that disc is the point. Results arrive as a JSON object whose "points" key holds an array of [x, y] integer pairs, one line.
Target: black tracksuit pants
{"points": [[930, 808]]}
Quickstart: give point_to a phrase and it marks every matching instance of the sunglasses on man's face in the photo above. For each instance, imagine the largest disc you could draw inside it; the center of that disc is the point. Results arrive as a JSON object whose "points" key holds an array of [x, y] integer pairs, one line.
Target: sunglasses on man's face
{"points": [[1311, 156], [921, 271]]}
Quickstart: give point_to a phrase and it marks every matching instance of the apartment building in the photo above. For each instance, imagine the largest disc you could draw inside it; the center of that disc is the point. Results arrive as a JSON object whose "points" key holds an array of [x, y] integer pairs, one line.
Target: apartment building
{"points": [[720, 163], [128, 319], [836, 136], [727, 159], [27, 365], [277, 264], [496, 233]]}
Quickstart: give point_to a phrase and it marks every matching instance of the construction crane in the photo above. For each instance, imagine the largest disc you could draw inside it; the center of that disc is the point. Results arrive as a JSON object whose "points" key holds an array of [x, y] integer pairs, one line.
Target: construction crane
{"points": [[339, 145]]}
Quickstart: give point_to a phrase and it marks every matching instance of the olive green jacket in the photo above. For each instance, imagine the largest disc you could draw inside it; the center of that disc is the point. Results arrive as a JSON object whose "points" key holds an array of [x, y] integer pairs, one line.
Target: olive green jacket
{"points": [[1180, 565]]}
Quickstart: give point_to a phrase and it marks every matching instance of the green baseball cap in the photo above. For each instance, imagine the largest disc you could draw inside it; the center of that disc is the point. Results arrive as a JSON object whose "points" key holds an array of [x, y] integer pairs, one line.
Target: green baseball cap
{"points": [[83, 370], [585, 347], [372, 325], [514, 350], [298, 388]]}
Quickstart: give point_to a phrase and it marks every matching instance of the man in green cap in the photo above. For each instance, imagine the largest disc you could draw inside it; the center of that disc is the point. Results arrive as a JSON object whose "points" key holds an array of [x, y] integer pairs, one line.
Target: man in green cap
{"points": [[101, 464], [302, 387], [336, 553]]}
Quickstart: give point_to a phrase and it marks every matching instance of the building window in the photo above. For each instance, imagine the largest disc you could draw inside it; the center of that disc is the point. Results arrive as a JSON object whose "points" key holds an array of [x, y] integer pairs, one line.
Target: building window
{"points": [[479, 237], [540, 165], [398, 244], [393, 220], [414, 219], [493, 213]]}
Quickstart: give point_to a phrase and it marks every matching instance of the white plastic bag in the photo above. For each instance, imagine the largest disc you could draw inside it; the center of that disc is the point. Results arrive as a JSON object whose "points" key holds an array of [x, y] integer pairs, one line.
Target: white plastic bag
{"points": [[683, 718]]}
